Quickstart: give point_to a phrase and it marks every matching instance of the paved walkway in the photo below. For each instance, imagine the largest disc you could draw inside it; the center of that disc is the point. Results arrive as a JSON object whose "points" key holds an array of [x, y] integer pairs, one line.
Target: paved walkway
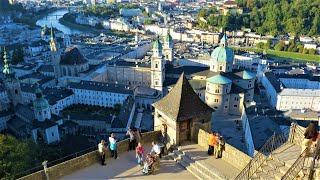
{"points": [[126, 168], [219, 166]]}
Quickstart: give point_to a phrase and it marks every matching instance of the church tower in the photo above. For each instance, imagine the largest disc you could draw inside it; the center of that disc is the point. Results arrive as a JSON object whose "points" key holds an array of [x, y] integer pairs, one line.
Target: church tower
{"points": [[11, 82], [157, 67], [168, 47], [55, 54], [41, 107]]}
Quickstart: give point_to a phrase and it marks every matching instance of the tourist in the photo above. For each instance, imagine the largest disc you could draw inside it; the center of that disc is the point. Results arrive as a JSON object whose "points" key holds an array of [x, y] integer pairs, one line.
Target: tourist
{"points": [[220, 147], [308, 135], [137, 135], [132, 139], [147, 164], [212, 142], [102, 149], [139, 153], [113, 146], [156, 149]]}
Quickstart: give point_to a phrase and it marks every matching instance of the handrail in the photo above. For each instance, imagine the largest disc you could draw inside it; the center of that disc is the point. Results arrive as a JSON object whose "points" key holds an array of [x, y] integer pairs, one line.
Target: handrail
{"points": [[274, 142], [296, 167]]}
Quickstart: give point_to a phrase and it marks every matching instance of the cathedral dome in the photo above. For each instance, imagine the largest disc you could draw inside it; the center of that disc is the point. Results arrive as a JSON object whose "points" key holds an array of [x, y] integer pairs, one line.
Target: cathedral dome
{"points": [[72, 56], [223, 53], [219, 79], [40, 103]]}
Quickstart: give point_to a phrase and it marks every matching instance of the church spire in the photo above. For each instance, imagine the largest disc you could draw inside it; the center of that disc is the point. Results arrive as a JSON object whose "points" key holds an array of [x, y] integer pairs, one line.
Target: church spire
{"points": [[8, 70], [53, 42], [224, 40]]}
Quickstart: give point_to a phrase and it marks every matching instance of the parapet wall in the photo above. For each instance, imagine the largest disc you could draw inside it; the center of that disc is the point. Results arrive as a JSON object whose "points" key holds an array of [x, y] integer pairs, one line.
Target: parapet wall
{"points": [[86, 160], [231, 154]]}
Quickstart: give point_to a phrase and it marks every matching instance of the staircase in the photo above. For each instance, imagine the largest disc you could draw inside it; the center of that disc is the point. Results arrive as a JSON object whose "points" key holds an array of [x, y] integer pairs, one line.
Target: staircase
{"points": [[198, 169], [278, 163]]}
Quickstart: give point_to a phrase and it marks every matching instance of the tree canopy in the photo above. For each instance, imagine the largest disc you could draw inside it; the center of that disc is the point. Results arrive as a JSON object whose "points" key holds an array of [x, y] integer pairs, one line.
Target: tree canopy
{"points": [[295, 17]]}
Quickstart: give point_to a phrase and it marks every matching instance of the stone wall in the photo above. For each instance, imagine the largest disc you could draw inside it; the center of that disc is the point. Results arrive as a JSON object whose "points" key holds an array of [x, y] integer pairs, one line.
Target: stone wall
{"points": [[231, 154], [86, 160]]}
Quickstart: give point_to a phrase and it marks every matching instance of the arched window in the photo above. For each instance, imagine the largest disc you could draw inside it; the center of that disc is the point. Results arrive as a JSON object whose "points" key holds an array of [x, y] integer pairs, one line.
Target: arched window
{"points": [[156, 66]]}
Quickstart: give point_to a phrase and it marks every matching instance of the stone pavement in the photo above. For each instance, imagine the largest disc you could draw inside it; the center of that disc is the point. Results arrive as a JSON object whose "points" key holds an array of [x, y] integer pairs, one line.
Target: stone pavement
{"points": [[126, 168], [219, 167]]}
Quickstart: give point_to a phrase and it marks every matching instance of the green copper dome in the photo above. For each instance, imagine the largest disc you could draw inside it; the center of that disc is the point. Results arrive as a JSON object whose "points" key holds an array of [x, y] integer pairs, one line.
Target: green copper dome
{"points": [[223, 53], [40, 103], [219, 79], [157, 45], [247, 75]]}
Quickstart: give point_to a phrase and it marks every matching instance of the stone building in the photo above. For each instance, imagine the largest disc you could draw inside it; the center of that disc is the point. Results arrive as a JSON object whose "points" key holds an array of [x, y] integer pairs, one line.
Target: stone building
{"points": [[180, 112]]}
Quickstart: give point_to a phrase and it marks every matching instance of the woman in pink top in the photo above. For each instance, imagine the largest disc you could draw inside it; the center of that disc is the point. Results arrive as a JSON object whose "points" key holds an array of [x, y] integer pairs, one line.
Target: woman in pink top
{"points": [[139, 153]]}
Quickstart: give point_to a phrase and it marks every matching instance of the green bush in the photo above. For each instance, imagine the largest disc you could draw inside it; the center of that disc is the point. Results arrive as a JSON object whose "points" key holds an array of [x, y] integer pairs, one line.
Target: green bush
{"points": [[260, 45], [305, 51], [312, 51], [279, 47]]}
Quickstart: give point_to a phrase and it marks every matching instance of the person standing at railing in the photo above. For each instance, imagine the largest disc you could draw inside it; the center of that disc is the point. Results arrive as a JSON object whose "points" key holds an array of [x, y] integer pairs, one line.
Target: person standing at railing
{"points": [[102, 149], [212, 142], [308, 135], [132, 138], [113, 146]]}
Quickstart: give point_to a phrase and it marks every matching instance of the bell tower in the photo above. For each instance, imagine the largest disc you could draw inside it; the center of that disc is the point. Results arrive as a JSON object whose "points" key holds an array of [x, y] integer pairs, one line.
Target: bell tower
{"points": [[55, 54], [157, 67], [168, 47]]}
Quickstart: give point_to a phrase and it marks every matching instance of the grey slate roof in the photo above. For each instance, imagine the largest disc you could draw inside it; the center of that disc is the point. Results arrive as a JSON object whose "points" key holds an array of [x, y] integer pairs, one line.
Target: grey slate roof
{"points": [[43, 124], [274, 80], [121, 120], [72, 56], [25, 111], [182, 102], [6, 113], [105, 87], [45, 68], [186, 69]]}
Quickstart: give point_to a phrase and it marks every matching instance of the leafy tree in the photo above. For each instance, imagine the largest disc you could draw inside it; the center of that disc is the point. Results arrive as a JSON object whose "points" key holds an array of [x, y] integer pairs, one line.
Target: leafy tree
{"points": [[300, 48], [148, 21], [267, 45], [305, 51], [279, 47], [290, 48], [15, 156], [312, 51], [260, 45], [202, 13], [294, 49], [99, 25]]}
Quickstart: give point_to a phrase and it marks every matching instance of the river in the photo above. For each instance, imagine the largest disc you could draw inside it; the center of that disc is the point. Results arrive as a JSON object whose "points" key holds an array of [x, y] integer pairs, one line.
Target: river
{"points": [[53, 18]]}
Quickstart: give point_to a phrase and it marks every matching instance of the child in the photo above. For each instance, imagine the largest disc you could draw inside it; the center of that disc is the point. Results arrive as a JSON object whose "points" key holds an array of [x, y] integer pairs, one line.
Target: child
{"points": [[139, 153], [113, 146], [147, 164]]}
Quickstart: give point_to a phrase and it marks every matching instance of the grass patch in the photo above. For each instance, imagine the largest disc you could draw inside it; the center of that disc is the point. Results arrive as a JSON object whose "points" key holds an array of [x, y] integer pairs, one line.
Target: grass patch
{"points": [[283, 55]]}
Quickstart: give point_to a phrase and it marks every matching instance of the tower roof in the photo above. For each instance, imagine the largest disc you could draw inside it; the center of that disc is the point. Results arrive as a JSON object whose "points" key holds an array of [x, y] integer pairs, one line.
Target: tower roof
{"points": [[222, 54], [45, 31], [182, 102], [52, 33], [168, 37], [245, 75], [40, 103], [7, 70], [224, 41], [219, 79], [157, 44]]}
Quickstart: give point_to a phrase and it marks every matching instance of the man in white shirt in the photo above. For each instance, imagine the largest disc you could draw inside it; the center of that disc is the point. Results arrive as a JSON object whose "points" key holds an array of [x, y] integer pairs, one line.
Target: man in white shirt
{"points": [[156, 149], [101, 149]]}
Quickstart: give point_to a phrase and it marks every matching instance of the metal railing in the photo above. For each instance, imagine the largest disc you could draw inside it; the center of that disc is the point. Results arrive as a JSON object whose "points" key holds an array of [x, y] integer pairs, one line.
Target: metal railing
{"points": [[274, 142], [296, 167]]}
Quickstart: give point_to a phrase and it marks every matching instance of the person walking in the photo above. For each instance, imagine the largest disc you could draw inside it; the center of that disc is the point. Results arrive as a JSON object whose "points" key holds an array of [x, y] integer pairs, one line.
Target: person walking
{"points": [[212, 143], [308, 135], [137, 135], [102, 149], [132, 139], [113, 146], [139, 153]]}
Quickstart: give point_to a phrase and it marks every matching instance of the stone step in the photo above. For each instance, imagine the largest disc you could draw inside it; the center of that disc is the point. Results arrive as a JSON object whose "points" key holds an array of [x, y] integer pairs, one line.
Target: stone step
{"points": [[193, 170], [283, 169], [201, 166], [274, 164], [264, 176]]}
